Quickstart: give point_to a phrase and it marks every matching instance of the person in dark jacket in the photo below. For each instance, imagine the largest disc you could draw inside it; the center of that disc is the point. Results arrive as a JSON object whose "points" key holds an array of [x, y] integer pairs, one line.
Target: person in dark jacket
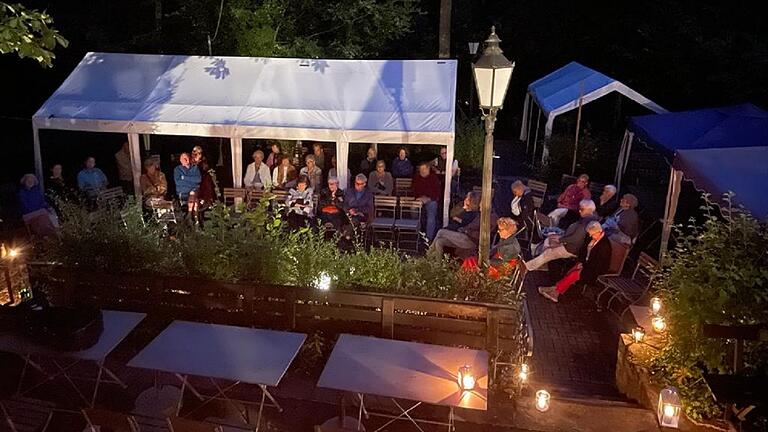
{"points": [[624, 225], [368, 165], [427, 188], [594, 261], [401, 166], [503, 255], [522, 206], [358, 201], [607, 202], [569, 244], [457, 234], [37, 214], [331, 205]]}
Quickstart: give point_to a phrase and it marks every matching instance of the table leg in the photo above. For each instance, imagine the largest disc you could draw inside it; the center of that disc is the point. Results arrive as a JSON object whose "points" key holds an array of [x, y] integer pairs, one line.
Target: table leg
{"points": [[112, 375], [186, 382], [96, 386], [360, 411], [404, 412], [63, 372], [271, 398], [451, 427], [181, 394], [261, 409], [29, 362]]}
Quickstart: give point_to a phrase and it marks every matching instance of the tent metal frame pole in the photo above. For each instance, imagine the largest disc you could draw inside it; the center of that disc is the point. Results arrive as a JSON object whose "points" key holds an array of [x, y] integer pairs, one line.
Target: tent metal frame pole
{"points": [[578, 129], [536, 137], [528, 130], [38, 156], [673, 194], [236, 146], [448, 180], [134, 147]]}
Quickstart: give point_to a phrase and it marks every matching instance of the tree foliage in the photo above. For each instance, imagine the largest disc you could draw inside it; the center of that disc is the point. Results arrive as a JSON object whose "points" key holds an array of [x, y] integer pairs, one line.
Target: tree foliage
{"points": [[28, 33], [718, 275]]}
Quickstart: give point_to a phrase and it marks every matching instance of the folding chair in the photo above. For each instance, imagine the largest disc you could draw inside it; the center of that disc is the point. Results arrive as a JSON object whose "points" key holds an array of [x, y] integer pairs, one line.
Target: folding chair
{"points": [[234, 195], [596, 189], [403, 187], [539, 192], [24, 414], [178, 424], [632, 289], [384, 214], [111, 420], [108, 197], [408, 222], [619, 253]]}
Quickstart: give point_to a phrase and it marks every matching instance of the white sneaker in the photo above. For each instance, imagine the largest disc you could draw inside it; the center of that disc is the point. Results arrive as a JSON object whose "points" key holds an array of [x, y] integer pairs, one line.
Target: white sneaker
{"points": [[549, 292]]}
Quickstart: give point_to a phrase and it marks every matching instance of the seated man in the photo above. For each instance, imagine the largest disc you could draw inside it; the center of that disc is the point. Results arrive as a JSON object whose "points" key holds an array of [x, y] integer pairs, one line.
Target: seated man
{"points": [[594, 261], [568, 201], [358, 201], [427, 188], [607, 202], [503, 254], [457, 233], [331, 204], [569, 244], [187, 178], [624, 225]]}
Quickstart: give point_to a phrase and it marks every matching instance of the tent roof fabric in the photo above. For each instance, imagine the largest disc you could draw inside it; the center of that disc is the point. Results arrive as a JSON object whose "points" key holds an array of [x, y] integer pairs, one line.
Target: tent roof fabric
{"points": [[564, 86], [394, 100], [720, 149]]}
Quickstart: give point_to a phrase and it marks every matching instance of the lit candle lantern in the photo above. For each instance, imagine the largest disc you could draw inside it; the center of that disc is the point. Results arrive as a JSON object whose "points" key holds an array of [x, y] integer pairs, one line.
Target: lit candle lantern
{"points": [[638, 334], [524, 370], [659, 325], [323, 282], [542, 400], [669, 407], [655, 305], [466, 379]]}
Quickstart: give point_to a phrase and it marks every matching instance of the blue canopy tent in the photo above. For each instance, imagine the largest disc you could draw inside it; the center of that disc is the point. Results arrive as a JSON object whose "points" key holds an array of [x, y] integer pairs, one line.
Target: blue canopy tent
{"points": [[720, 149], [567, 89]]}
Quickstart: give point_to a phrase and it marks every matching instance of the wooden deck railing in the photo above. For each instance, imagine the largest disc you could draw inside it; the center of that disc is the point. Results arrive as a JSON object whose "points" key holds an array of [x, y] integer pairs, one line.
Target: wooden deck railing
{"points": [[478, 325]]}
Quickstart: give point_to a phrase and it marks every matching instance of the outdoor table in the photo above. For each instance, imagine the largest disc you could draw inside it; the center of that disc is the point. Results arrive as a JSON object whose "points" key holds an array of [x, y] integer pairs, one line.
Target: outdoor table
{"points": [[116, 326], [237, 354], [405, 370], [642, 316]]}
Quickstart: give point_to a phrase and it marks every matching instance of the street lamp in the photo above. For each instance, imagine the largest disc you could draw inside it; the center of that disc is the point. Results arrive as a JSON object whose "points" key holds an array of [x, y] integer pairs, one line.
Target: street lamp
{"points": [[492, 72]]}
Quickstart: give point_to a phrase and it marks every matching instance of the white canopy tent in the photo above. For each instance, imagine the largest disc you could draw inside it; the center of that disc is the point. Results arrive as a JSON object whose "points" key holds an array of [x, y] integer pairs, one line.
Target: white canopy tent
{"points": [[341, 101]]}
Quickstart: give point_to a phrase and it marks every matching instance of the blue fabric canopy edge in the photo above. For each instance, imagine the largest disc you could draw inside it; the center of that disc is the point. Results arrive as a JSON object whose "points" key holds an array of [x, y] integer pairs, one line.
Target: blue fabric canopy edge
{"points": [[566, 85]]}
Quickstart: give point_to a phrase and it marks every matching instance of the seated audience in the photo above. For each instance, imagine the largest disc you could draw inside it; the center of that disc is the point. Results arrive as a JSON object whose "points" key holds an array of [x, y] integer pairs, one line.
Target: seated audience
{"points": [[426, 187], [56, 187], [503, 254], [368, 164], [124, 168], [380, 182], [206, 194], [463, 232], [274, 156], [331, 204], [313, 172], [521, 207], [624, 225], [358, 201], [91, 180], [608, 201], [257, 173], [37, 214], [438, 166], [197, 155], [153, 183], [568, 202], [569, 244], [284, 175], [401, 166], [299, 204], [594, 261], [334, 173], [187, 178], [319, 153]]}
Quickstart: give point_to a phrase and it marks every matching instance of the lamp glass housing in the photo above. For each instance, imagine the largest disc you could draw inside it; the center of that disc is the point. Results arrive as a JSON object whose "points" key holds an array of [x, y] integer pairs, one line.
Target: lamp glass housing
{"points": [[542, 400], [668, 410], [492, 72], [465, 378], [638, 334], [655, 305], [659, 325]]}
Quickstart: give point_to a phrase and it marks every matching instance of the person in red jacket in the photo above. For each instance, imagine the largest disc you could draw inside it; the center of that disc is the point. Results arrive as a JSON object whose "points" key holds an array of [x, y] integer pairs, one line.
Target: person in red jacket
{"points": [[426, 187]]}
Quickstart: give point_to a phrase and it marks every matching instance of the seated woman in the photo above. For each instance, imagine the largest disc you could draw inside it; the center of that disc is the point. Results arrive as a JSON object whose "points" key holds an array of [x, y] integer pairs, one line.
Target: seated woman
{"points": [[299, 204], [624, 225], [567, 210], [380, 182], [331, 204], [522, 206], [153, 184], [608, 202], [594, 261], [284, 175], [38, 215], [503, 255]]}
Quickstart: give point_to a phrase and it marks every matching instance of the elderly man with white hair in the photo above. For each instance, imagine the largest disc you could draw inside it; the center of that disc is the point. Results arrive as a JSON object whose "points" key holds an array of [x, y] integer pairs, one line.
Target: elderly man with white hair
{"points": [[257, 173], [594, 261], [569, 244], [608, 201]]}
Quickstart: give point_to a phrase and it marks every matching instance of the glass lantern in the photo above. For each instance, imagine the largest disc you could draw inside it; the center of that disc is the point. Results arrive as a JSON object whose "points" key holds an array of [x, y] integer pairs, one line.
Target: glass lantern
{"points": [[669, 408]]}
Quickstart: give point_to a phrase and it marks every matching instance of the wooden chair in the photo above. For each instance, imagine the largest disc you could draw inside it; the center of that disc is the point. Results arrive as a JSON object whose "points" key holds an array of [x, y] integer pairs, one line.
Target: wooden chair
{"points": [[22, 414], [404, 187], [254, 197], [629, 289], [596, 189], [111, 196], [231, 195], [408, 223], [178, 424], [539, 192], [384, 214], [112, 420]]}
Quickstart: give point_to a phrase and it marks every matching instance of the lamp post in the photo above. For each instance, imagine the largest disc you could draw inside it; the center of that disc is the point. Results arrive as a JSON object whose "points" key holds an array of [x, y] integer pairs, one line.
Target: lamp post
{"points": [[492, 73]]}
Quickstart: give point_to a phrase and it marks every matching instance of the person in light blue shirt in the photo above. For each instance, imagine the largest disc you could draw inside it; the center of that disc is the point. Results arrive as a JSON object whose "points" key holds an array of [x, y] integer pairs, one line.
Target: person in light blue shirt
{"points": [[187, 178], [90, 179]]}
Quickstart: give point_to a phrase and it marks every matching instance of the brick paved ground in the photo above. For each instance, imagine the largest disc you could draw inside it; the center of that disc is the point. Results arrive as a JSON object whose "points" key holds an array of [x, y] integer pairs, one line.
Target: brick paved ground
{"points": [[574, 345]]}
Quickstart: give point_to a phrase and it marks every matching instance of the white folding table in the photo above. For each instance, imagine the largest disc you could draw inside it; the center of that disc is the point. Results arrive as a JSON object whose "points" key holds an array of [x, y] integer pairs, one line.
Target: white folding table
{"points": [[405, 370], [237, 354], [117, 325]]}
